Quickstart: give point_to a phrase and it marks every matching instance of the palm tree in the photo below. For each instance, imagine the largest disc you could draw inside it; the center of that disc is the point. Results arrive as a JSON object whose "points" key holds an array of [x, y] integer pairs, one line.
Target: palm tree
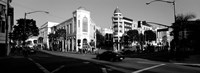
{"points": [[178, 26], [187, 17]]}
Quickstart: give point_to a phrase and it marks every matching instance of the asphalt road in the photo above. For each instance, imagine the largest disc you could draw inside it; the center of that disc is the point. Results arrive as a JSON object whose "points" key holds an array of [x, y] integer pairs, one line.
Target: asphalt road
{"points": [[137, 65], [47, 63], [59, 62]]}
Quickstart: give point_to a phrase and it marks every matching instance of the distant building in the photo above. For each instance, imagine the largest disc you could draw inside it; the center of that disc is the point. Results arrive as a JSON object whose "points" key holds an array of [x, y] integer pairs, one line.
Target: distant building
{"points": [[122, 24], [44, 31], [80, 31], [5, 48], [143, 26]]}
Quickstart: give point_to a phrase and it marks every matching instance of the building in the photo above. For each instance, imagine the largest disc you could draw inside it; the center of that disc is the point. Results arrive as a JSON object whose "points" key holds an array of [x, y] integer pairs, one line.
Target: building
{"points": [[6, 13], [142, 26], [121, 25], [80, 31], [44, 31]]}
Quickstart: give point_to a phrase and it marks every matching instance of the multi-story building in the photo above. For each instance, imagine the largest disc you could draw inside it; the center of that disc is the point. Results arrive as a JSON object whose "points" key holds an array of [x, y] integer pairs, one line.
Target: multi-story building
{"points": [[44, 31], [142, 26], [6, 13], [121, 25], [80, 30]]}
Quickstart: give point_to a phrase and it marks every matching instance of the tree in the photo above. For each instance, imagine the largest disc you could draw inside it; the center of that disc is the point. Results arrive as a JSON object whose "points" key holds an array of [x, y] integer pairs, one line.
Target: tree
{"points": [[22, 32], [61, 34], [182, 17], [99, 39], [133, 35], [178, 28], [52, 40], [149, 35], [125, 40]]}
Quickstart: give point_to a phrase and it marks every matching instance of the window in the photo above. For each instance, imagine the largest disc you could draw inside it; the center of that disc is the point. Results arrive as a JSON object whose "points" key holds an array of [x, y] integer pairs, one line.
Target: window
{"points": [[68, 29], [78, 23], [2, 11], [75, 27], [2, 18], [120, 31], [2, 26], [85, 24], [71, 28]]}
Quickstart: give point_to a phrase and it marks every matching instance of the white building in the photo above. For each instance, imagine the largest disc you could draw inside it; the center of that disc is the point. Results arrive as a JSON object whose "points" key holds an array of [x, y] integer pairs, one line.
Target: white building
{"points": [[121, 25], [142, 26], [44, 31], [80, 30]]}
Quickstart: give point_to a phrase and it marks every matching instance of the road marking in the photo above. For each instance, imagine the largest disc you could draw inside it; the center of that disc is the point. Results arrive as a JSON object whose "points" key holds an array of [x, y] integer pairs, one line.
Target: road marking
{"points": [[86, 62], [57, 69], [104, 70], [40, 66], [148, 62], [44, 69], [148, 68], [187, 64]]}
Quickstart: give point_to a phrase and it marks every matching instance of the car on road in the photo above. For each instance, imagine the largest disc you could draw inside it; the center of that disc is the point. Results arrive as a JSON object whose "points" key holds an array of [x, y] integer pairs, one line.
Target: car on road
{"points": [[111, 56]]}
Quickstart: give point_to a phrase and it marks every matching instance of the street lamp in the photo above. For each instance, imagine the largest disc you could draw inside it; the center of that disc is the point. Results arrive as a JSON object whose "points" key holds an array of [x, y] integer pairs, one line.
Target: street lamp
{"points": [[34, 12], [173, 2], [25, 20]]}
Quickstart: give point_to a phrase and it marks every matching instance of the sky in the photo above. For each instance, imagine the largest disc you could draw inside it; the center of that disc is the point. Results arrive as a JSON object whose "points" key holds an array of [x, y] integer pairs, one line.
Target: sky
{"points": [[102, 10]]}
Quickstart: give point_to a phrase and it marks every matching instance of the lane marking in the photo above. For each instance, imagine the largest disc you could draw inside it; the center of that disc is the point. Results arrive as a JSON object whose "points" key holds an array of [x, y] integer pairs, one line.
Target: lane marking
{"points": [[40, 66], [148, 68], [104, 70], [86, 62], [57, 69], [187, 64], [148, 62]]}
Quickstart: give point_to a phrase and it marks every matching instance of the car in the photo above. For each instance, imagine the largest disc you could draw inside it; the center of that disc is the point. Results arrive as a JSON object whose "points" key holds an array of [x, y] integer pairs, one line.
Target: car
{"points": [[111, 56], [30, 50]]}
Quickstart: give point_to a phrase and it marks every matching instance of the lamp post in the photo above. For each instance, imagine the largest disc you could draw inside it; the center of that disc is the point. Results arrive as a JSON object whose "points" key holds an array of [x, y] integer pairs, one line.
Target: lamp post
{"points": [[173, 2], [25, 14]]}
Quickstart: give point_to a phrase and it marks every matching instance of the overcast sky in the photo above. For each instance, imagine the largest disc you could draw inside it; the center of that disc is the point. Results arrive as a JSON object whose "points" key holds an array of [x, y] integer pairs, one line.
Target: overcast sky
{"points": [[102, 10]]}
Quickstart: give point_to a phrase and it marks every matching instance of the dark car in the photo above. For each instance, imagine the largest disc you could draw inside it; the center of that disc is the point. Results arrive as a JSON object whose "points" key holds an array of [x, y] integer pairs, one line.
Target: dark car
{"points": [[30, 50], [111, 56]]}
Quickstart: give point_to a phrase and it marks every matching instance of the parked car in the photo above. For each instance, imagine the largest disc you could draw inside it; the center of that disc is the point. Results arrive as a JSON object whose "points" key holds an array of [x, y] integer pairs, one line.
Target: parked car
{"points": [[111, 56]]}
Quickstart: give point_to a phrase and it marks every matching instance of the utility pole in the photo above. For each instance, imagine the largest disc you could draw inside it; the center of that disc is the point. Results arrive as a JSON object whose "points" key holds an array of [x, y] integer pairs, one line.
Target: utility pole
{"points": [[7, 27]]}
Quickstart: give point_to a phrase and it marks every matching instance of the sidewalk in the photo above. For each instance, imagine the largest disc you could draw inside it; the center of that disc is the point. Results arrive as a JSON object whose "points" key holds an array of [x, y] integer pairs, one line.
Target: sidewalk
{"points": [[71, 54]]}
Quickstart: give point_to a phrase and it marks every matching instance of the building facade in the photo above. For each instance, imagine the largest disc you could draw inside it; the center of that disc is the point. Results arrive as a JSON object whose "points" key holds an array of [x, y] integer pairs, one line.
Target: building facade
{"points": [[6, 23], [80, 31], [44, 31], [121, 25]]}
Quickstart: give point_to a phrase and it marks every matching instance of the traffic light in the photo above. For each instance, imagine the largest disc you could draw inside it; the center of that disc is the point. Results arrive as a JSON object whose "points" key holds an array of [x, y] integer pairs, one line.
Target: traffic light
{"points": [[10, 35], [144, 22], [139, 24], [10, 11]]}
